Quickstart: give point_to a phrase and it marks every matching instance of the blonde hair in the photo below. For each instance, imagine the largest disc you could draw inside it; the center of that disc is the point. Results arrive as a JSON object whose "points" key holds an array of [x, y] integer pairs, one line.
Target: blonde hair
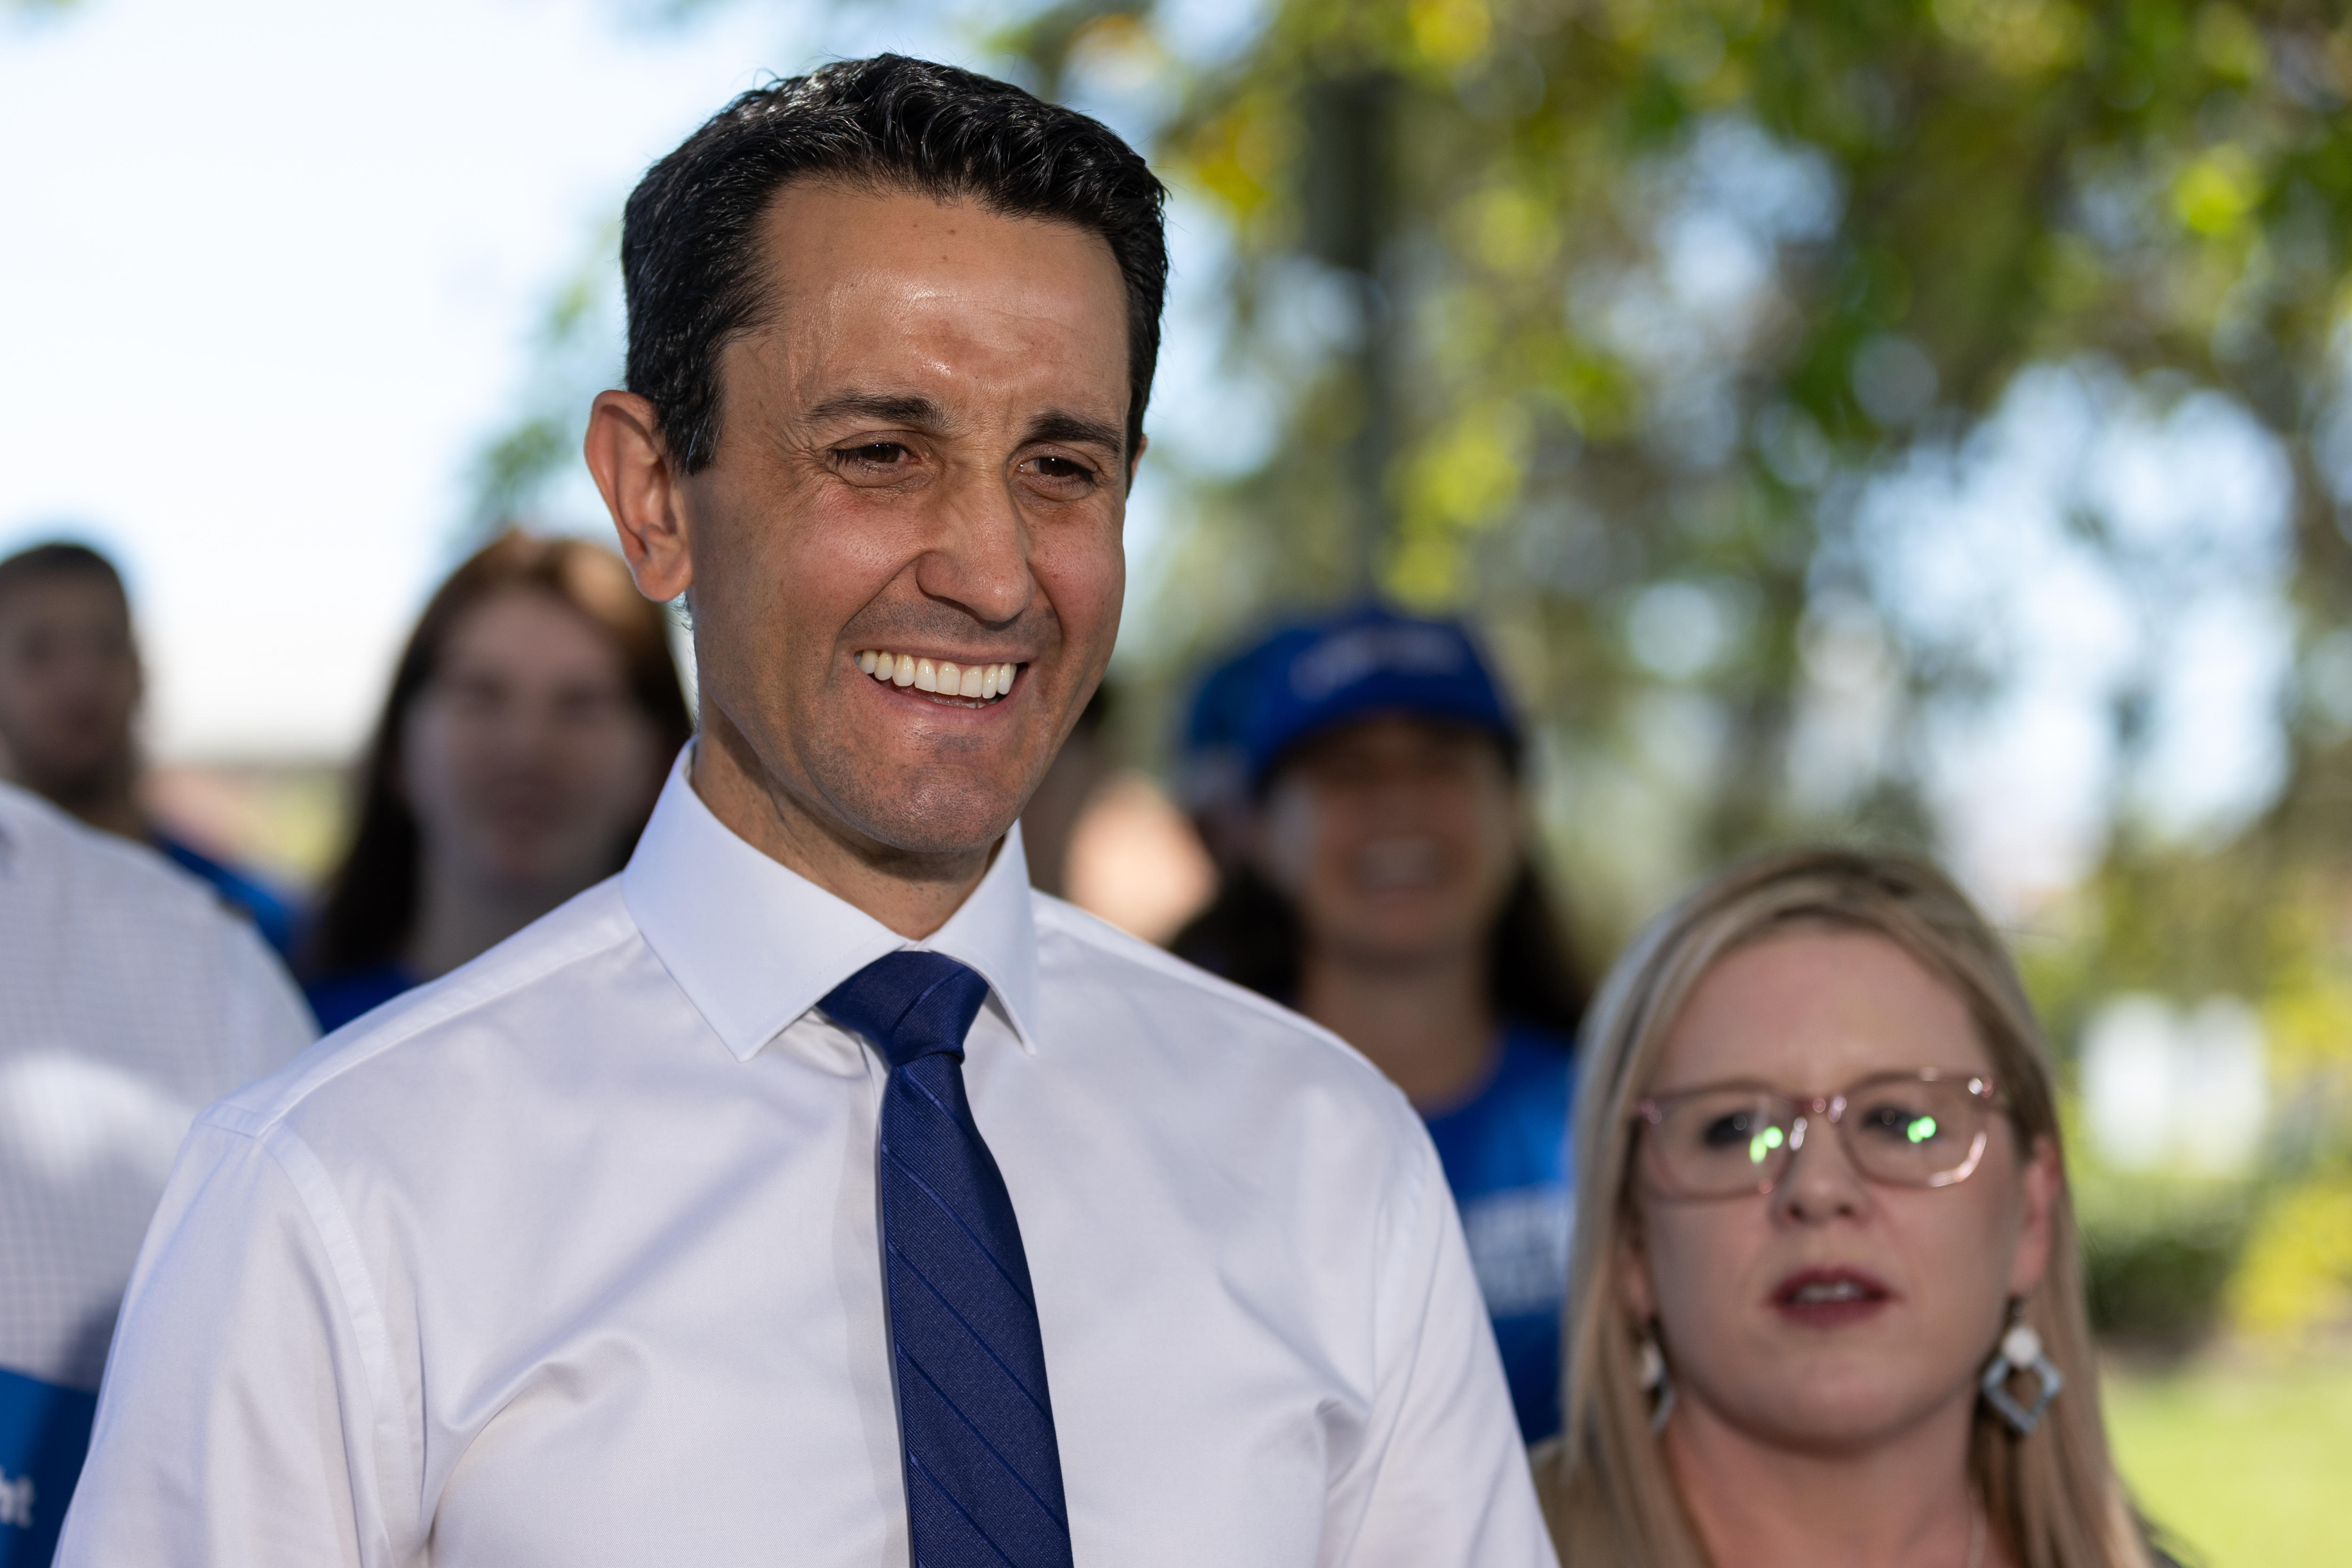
{"points": [[2052, 1497]]}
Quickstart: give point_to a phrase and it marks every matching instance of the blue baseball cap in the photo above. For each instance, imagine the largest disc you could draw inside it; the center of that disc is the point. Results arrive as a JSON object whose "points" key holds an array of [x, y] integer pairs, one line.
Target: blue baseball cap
{"points": [[1211, 768], [1363, 663]]}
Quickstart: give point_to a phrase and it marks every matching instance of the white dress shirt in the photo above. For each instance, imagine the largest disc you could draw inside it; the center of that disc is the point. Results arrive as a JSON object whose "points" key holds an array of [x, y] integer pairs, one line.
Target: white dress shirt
{"points": [[569, 1260], [130, 998]]}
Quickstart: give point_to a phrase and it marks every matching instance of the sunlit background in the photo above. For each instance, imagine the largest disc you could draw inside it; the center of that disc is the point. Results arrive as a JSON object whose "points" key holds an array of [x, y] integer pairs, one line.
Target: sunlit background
{"points": [[1930, 424]]}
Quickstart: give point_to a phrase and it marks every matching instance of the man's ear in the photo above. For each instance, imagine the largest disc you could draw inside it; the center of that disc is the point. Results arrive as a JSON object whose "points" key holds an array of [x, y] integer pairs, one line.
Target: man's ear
{"points": [[642, 490]]}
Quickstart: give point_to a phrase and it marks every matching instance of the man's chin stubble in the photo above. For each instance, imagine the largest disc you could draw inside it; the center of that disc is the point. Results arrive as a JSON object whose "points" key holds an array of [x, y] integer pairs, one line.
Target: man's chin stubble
{"points": [[933, 828]]}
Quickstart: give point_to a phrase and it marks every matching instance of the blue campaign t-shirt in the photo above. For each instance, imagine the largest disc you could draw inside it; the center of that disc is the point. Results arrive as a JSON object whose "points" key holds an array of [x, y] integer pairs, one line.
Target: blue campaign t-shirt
{"points": [[44, 1433], [273, 914], [1505, 1153], [336, 999]]}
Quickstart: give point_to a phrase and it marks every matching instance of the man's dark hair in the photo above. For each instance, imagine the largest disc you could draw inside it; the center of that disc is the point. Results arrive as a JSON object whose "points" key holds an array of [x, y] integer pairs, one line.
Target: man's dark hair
{"points": [[56, 559], [690, 254]]}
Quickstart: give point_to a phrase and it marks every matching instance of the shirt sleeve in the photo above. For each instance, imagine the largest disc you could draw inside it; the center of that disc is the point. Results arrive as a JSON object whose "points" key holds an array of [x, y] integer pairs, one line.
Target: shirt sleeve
{"points": [[1443, 1480], [236, 1425]]}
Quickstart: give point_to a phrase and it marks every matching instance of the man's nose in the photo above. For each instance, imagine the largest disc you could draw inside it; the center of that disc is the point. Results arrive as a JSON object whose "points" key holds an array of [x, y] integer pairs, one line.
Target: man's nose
{"points": [[978, 557]]}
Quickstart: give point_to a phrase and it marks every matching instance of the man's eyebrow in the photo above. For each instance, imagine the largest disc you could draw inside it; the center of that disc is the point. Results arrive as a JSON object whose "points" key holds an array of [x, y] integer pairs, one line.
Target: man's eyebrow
{"points": [[910, 409], [1078, 430]]}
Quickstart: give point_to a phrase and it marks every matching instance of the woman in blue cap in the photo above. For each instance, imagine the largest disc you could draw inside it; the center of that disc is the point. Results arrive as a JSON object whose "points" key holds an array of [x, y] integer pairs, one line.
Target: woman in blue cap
{"points": [[1387, 894]]}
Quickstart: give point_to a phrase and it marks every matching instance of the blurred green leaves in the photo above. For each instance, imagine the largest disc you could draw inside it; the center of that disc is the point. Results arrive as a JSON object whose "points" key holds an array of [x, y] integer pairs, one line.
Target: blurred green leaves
{"points": [[1669, 287]]}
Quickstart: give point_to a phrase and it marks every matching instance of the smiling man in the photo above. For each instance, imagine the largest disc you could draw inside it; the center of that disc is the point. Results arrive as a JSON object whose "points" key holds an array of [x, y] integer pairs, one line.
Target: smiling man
{"points": [[814, 1192]]}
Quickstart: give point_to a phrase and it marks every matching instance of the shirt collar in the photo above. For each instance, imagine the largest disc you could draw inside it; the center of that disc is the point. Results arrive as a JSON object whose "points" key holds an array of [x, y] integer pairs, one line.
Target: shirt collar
{"points": [[754, 944]]}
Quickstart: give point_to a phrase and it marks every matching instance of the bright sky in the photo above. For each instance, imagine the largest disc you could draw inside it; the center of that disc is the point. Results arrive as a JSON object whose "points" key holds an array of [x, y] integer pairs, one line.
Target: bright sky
{"points": [[271, 271]]}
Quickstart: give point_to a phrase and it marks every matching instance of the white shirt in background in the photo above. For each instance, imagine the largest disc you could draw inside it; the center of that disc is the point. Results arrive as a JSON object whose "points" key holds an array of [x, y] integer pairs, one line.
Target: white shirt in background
{"points": [[569, 1260], [130, 998]]}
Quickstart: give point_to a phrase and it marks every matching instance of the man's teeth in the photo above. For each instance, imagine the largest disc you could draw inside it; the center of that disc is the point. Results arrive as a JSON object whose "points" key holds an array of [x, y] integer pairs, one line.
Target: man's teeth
{"points": [[983, 682], [1819, 1290]]}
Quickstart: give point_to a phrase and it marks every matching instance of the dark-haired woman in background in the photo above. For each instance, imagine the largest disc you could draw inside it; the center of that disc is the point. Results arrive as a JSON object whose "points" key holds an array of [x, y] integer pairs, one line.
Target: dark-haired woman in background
{"points": [[531, 719], [1389, 895]]}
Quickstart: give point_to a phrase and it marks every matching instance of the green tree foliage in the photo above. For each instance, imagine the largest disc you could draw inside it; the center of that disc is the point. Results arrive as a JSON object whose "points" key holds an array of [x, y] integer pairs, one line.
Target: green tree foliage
{"points": [[1657, 295]]}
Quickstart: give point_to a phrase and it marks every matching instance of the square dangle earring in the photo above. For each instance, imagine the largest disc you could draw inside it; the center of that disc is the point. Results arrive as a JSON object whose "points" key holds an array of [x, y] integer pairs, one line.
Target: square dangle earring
{"points": [[2021, 1350]]}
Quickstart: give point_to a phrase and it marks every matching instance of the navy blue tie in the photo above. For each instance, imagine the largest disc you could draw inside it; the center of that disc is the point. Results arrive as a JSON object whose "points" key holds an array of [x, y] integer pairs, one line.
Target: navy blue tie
{"points": [[983, 1471]]}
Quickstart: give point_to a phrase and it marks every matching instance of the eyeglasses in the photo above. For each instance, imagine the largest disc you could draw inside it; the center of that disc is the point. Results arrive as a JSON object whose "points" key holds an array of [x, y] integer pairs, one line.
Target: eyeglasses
{"points": [[1924, 1129]]}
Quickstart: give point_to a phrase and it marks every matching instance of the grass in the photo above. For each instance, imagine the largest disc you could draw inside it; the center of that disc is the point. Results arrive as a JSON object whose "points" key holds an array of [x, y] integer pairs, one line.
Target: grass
{"points": [[2246, 1465]]}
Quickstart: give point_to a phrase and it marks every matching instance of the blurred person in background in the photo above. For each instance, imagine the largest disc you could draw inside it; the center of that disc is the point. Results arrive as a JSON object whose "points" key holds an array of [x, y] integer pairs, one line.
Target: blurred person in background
{"points": [[1389, 893], [1100, 835], [1049, 823], [1213, 779], [1827, 1300], [130, 1000], [70, 686], [531, 719]]}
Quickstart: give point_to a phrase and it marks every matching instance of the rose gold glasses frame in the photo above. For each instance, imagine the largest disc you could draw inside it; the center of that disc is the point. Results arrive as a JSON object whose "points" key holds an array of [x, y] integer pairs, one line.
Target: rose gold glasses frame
{"points": [[1651, 1114]]}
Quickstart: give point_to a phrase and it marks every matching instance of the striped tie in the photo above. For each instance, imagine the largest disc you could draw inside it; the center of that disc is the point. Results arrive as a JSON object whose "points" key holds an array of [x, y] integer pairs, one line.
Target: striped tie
{"points": [[983, 1473]]}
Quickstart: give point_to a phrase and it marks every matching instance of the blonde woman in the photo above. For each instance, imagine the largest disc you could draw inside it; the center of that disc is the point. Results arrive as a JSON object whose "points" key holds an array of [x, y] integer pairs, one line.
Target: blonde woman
{"points": [[1826, 1299]]}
